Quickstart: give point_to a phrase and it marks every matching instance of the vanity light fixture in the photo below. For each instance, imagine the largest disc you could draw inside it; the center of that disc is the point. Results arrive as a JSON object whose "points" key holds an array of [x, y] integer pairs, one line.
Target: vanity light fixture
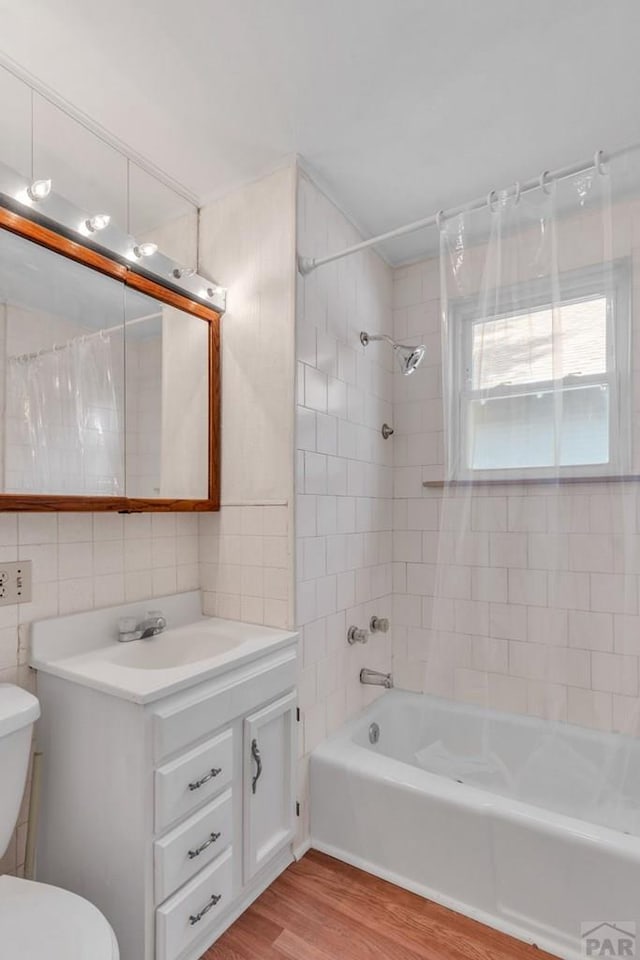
{"points": [[39, 189], [145, 250], [97, 222], [183, 273]]}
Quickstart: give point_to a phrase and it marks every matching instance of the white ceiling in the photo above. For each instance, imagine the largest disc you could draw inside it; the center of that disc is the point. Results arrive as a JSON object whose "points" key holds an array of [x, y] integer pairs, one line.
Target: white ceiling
{"points": [[400, 107]]}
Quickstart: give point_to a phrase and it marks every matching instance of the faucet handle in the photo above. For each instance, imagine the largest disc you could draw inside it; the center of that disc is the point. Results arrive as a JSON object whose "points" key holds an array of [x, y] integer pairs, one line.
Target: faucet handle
{"points": [[127, 628], [379, 625], [357, 635]]}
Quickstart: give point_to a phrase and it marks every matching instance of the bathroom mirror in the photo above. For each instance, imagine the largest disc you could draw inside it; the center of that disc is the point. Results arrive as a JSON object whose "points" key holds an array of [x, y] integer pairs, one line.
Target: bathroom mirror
{"points": [[108, 382]]}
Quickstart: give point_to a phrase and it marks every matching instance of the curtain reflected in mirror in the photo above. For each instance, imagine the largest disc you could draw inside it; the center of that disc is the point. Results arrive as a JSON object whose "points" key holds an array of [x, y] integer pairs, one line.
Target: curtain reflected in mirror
{"points": [[61, 333]]}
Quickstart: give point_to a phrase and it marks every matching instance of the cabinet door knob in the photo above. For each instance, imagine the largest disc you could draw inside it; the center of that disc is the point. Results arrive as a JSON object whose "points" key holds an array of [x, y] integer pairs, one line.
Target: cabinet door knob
{"points": [[255, 754], [208, 776]]}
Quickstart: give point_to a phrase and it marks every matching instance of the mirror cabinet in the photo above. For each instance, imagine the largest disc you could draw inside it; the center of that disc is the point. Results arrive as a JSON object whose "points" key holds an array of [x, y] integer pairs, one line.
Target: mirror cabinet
{"points": [[109, 381]]}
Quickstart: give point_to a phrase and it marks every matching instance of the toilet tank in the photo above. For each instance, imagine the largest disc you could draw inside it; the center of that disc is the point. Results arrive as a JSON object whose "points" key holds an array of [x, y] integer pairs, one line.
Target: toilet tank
{"points": [[18, 712]]}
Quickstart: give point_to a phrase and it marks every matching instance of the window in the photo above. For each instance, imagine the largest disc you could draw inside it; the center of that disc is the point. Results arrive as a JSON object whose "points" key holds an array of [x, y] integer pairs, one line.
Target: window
{"points": [[543, 393]]}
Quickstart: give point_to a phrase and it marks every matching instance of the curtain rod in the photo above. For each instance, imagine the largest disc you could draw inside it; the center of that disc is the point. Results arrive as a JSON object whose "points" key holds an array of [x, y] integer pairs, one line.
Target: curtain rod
{"points": [[23, 357], [307, 264]]}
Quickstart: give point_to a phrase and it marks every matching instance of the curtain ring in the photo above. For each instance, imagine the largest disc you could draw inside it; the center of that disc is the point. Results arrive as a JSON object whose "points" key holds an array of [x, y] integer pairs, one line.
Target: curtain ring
{"points": [[544, 182], [516, 195], [439, 219], [492, 198], [598, 162]]}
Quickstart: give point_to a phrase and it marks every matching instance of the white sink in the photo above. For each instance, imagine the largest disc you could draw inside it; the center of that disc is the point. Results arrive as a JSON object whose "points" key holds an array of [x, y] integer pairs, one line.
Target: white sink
{"points": [[83, 648], [173, 648]]}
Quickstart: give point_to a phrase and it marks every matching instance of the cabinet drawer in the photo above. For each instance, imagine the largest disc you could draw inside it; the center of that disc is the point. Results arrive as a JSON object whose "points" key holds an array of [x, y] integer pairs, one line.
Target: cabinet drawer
{"points": [[186, 783], [179, 855], [187, 717], [194, 909]]}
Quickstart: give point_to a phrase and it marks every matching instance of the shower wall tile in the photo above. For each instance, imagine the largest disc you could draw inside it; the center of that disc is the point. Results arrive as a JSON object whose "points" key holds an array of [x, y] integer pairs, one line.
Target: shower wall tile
{"points": [[344, 492], [519, 597]]}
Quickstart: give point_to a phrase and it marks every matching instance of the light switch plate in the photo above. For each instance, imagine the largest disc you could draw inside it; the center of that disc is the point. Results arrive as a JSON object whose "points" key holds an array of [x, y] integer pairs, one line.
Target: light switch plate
{"points": [[15, 582]]}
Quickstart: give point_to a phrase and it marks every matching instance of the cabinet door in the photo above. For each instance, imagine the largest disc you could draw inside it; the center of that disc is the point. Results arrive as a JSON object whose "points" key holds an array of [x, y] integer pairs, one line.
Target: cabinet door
{"points": [[269, 784]]}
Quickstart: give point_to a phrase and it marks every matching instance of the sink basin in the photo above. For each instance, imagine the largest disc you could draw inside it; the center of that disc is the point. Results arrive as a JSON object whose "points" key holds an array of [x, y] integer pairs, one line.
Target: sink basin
{"points": [[82, 648], [174, 648]]}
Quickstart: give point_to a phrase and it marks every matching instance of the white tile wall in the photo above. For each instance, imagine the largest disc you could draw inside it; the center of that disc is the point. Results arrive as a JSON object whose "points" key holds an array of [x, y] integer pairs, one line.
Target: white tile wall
{"points": [[246, 551], [81, 561], [344, 509], [245, 563], [537, 588]]}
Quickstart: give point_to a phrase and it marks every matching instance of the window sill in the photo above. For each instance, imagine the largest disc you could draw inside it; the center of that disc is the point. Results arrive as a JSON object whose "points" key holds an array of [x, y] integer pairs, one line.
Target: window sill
{"points": [[529, 481]]}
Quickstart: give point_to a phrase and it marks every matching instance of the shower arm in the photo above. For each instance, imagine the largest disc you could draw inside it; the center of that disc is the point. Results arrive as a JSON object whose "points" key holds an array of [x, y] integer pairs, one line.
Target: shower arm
{"points": [[366, 338]]}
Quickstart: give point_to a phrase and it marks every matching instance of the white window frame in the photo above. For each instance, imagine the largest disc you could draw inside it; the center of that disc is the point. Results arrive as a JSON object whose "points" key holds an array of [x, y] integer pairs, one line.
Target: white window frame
{"points": [[611, 280]]}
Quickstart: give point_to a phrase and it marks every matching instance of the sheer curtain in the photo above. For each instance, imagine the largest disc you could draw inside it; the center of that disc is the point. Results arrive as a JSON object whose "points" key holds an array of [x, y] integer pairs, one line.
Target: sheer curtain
{"points": [[534, 607], [65, 430]]}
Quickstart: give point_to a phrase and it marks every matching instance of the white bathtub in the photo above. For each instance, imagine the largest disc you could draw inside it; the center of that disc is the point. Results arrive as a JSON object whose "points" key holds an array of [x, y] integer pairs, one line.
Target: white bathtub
{"points": [[511, 820]]}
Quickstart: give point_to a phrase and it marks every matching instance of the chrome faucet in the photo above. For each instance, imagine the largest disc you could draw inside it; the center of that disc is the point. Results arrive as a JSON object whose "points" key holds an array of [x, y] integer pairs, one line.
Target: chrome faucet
{"points": [[153, 624], [376, 679]]}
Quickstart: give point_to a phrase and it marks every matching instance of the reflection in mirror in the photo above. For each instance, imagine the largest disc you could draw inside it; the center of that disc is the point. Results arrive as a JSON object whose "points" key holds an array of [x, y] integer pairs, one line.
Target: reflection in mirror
{"points": [[15, 129], [160, 215], [84, 169], [62, 373], [167, 400]]}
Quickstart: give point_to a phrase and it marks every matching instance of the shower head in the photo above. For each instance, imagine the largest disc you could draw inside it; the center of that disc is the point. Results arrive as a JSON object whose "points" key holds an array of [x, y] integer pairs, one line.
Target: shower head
{"points": [[409, 358]]}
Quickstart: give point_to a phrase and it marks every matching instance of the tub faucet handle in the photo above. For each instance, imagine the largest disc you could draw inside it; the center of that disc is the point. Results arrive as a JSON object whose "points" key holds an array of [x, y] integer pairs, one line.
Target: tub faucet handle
{"points": [[357, 635], [379, 625]]}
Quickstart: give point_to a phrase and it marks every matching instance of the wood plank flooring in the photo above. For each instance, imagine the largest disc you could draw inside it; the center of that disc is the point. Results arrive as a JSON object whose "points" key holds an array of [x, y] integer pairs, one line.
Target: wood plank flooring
{"points": [[322, 909]]}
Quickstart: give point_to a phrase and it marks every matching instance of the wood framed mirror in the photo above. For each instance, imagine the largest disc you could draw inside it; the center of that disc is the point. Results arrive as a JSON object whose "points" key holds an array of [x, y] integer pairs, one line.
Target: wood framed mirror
{"points": [[109, 382]]}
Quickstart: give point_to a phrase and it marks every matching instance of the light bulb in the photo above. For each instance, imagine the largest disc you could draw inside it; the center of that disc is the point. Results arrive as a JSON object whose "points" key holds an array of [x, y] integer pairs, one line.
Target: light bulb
{"points": [[211, 291], [183, 273], [145, 250], [97, 222], [39, 189]]}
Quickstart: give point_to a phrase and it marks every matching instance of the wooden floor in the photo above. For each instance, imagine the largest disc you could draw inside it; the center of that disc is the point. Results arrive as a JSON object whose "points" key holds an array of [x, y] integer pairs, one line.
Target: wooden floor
{"points": [[322, 909]]}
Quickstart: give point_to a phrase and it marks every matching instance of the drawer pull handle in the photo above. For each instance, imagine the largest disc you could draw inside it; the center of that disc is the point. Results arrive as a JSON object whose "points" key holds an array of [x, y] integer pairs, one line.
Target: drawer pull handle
{"points": [[255, 754], [209, 776], [197, 917], [192, 854]]}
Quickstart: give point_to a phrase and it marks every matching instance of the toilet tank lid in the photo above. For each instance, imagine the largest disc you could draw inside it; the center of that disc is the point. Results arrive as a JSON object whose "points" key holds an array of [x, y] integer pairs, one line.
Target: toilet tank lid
{"points": [[18, 708]]}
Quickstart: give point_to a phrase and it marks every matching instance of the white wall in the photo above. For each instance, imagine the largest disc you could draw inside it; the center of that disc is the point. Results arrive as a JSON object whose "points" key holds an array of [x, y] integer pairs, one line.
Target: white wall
{"points": [[247, 239], [343, 473]]}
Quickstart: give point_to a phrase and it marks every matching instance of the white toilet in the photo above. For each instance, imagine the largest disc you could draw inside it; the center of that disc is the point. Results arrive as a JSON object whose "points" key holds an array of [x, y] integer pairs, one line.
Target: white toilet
{"points": [[36, 919]]}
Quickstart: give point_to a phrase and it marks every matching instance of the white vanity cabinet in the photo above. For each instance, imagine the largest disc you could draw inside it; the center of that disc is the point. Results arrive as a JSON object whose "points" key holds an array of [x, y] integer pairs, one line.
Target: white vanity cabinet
{"points": [[170, 815]]}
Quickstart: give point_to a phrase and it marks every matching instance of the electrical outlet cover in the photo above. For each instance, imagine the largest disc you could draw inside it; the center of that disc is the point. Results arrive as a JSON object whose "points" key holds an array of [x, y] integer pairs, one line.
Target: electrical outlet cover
{"points": [[15, 582]]}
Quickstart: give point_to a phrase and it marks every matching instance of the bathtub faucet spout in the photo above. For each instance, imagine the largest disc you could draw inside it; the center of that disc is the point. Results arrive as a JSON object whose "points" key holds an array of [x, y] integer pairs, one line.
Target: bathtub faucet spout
{"points": [[376, 679]]}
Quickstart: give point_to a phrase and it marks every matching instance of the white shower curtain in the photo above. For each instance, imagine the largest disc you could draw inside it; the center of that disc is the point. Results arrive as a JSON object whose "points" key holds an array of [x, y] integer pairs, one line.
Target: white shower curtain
{"points": [[65, 427]]}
